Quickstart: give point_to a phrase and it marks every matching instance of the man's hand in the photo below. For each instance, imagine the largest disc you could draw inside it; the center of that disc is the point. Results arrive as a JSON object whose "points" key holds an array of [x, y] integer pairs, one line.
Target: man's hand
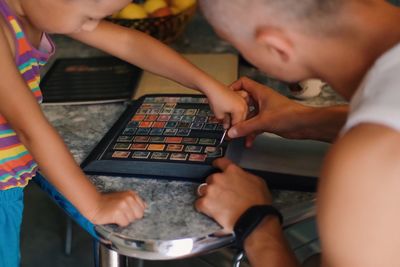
{"points": [[231, 192], [275, 113], [119, 207]]}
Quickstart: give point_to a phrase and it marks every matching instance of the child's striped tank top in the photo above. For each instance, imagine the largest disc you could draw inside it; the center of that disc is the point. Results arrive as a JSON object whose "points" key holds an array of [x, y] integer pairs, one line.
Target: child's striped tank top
{"points": [[17, 166]]}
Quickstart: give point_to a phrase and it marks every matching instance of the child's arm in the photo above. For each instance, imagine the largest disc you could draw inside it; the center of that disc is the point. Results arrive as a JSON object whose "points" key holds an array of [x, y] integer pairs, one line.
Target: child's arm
{"points": [[146, 52], [21, 110]]}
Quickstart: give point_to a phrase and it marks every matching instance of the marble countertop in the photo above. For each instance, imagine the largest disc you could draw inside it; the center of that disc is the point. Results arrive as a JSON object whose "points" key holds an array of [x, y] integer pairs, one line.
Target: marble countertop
{"points": [[171, 214]]}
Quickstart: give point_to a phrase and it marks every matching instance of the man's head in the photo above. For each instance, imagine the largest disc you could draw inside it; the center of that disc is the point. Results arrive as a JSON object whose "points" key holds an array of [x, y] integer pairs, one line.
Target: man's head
{"points": [[318, 15], [283, 37]]}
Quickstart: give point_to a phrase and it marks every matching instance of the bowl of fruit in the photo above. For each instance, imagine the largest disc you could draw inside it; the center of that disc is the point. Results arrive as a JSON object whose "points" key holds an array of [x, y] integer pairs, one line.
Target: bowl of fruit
{"points": [[162, 19]]}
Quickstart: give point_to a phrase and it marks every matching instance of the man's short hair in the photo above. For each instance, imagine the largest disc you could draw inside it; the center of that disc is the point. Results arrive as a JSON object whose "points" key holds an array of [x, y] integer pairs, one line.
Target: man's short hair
{"points": [[315, 14]]}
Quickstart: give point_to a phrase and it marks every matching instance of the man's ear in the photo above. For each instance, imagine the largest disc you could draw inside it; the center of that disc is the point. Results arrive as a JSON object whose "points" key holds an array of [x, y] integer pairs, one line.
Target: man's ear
{"points": [[276, 42]]}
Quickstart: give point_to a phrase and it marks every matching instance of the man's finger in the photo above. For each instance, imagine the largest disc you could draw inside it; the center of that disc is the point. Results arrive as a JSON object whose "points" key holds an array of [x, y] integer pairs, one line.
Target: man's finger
{"points": [[250, 140], [201, 206], [237, 85], [228, 120], [222, 163], [245, 128]]}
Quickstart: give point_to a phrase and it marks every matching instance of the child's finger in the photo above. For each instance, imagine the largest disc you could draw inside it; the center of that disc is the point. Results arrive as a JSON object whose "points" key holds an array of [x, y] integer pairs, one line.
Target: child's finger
{"points": [[121, 219], [138, 206], [129, 212], [139, 200], [138, 211], [135, 210], [238, 116], [227, 121], [244, 94], [219, 114]]}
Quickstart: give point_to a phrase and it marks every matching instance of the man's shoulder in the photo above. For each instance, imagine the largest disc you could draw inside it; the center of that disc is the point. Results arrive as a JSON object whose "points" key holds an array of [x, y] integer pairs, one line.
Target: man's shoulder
{"points": [[383, 78], [378, 97]]}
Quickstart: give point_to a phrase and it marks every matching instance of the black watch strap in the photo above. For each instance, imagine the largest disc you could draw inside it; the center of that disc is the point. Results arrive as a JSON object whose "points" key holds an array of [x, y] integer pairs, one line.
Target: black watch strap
{"points": [[250, 219]]}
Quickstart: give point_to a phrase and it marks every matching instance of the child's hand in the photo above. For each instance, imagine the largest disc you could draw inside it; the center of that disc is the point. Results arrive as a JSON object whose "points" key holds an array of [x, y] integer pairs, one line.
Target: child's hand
{"points": [[119, 207], [226, 103]]}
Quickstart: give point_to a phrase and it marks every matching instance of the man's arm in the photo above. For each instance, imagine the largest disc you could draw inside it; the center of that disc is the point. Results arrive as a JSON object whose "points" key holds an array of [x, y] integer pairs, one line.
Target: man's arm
{"points": [[267, 246], [228, 195], [321, 123], [358, 199]]}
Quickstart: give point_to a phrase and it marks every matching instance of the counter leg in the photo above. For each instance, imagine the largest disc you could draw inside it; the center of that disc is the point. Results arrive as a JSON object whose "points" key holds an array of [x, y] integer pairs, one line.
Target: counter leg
{"points": [[110, 258], [140, 263], [237, 260], [136, 262], [68, 236], [96, 252]]}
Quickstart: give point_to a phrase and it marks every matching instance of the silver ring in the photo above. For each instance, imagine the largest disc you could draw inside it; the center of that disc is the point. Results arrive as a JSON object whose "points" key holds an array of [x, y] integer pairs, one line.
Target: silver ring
{"points": [[199, 193]]}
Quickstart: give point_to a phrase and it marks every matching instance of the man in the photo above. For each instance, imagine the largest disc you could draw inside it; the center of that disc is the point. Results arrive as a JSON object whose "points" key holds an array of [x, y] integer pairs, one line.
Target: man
{"points": [[353, 45]]}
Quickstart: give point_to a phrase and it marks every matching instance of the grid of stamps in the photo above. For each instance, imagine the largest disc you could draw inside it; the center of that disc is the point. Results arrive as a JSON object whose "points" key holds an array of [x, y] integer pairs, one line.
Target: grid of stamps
{"points": [[178, 129]]}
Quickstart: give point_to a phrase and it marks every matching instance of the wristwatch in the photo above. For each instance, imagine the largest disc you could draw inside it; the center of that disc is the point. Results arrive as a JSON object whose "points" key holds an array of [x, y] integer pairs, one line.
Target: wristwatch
{"points": [[250, 219]]}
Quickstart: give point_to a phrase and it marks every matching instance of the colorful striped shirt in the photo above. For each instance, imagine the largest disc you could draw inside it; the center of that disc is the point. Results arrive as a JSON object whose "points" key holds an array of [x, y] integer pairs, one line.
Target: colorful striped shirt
{"points": [[17, 166]]}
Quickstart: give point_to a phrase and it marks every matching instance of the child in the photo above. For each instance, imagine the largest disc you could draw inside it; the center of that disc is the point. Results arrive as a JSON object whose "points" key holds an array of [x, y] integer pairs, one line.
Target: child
{"points": [[28, 141]]}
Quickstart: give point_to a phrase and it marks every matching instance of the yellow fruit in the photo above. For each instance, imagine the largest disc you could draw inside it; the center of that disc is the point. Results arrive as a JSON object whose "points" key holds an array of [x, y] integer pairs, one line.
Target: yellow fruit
{"points": [[132, 11], [152, 5], [181, 5], [174, 10]]}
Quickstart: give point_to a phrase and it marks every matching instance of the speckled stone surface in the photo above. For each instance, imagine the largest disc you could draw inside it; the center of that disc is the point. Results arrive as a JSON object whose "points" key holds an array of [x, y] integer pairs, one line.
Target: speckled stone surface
{"points": [[171, 214]]}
